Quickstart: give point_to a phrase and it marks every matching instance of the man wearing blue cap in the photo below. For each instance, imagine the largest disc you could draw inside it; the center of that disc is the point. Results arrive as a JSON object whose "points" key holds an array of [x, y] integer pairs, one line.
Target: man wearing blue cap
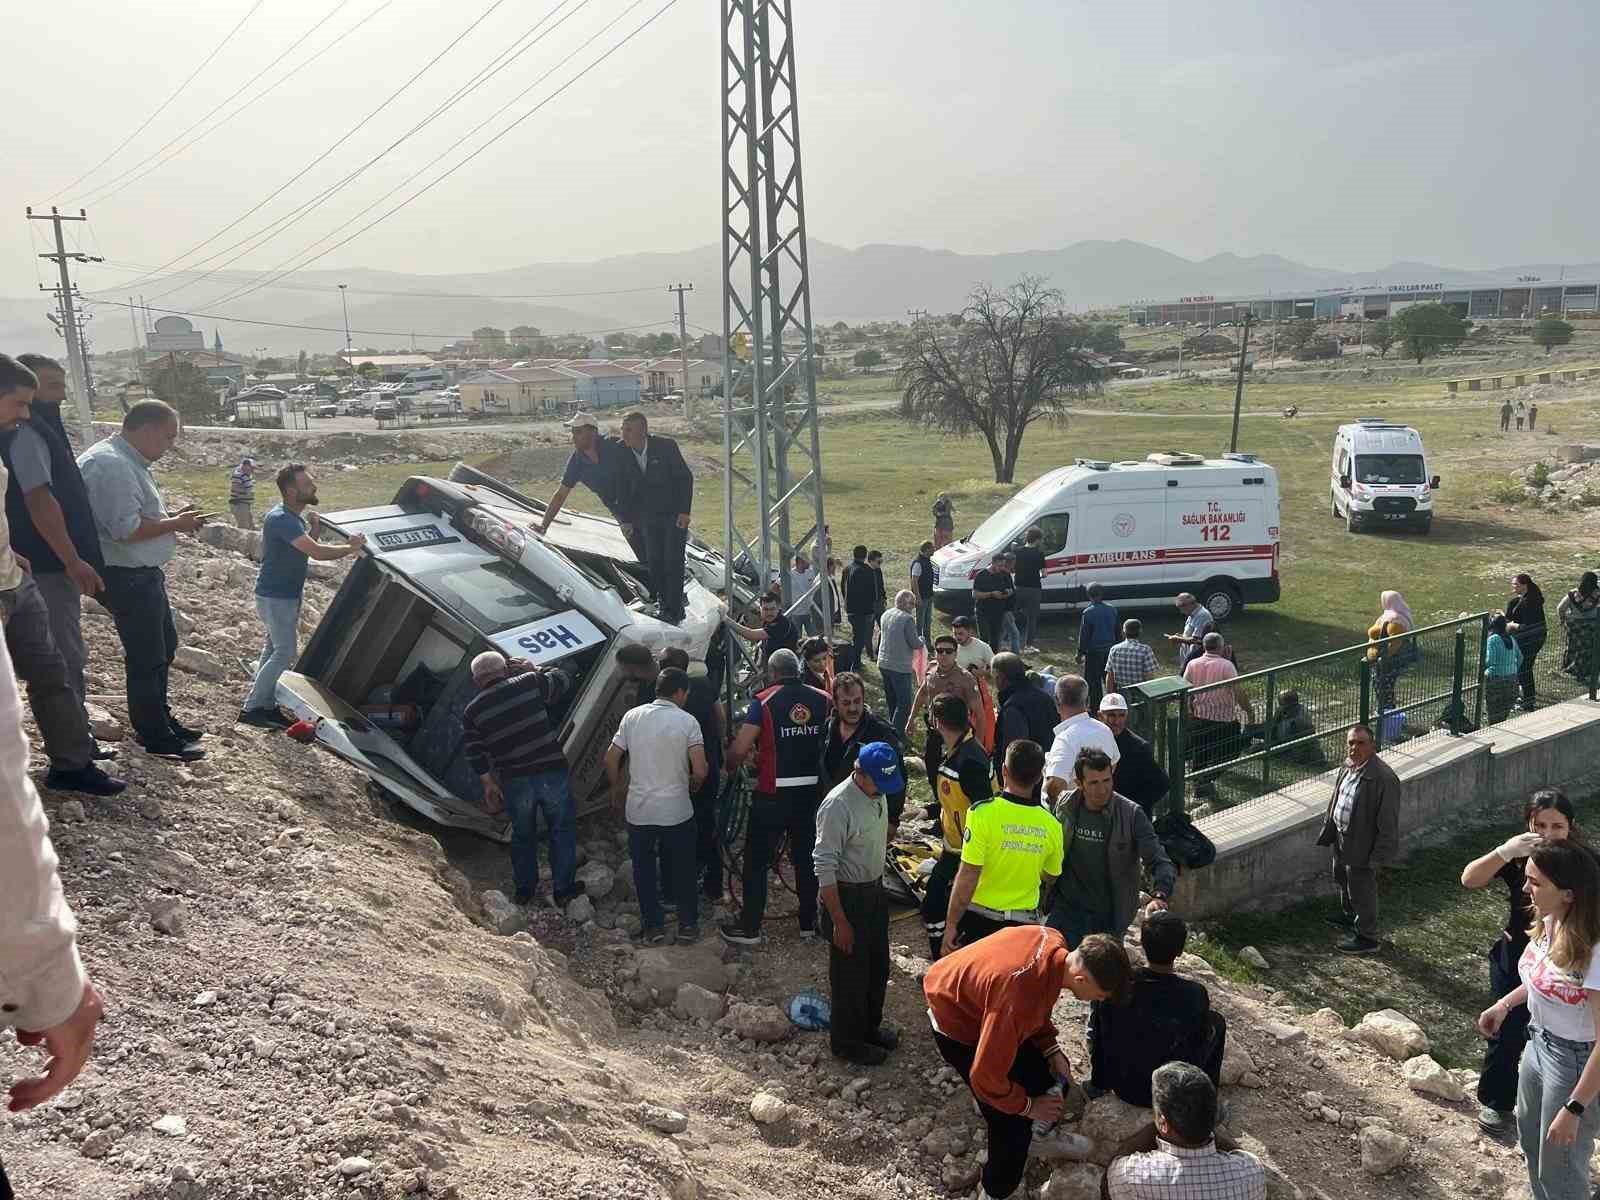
{"points": [[852, 835]]}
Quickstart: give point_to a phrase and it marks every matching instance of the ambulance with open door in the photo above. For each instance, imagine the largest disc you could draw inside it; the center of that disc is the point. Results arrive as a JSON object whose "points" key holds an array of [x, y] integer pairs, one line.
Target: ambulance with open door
{"points": [[1144, 530]]}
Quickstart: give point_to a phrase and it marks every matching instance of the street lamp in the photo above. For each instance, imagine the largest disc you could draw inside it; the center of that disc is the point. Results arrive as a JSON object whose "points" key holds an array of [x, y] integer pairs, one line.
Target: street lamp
{"points": [[345, 304]]}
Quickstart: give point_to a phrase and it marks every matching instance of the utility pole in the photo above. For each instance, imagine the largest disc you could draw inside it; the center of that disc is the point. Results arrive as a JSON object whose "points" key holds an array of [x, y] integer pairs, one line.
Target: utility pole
{"points": [[349, 358], [77, 365], [1238, 387], [683, 346], [916, 314]]}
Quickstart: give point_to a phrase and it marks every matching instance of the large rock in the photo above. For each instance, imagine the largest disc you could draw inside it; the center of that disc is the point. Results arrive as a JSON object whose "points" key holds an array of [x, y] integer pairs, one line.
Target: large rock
{"points": [[1426, 1076], [580, 909], [960, 1175], [1381, 1150], [1107, 1121], [758, 1022], [1236, 1064], [697, 1003], [166, 915], [103, 725], [1074, 1181], [597, 879], [767, 1109], [231, 537], [1391, 1033], [1252, 957], [504, 915], [667, 970], [663, 1120], [200, 662]]}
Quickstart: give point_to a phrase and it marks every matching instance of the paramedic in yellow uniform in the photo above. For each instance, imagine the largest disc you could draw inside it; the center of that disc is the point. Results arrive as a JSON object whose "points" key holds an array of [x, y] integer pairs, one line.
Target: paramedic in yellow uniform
{"points": [[961, 781], [1010, 858]]}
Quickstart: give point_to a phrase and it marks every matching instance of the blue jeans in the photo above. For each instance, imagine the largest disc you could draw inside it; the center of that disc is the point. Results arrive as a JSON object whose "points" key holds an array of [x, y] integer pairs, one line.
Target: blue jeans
{"points": [[549, 792], [281, 616], [899, 690], [676, 846], [1010, 635], [1549, 1071]]}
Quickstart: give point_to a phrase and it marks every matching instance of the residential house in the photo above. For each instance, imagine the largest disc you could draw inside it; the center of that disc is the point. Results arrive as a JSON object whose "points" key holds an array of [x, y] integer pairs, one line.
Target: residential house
{"points": [[522, 391], [602, 384], [664, 375]]}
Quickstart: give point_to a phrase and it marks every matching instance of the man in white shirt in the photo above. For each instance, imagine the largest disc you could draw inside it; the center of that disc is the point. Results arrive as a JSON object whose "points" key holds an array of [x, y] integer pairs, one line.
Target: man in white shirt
{"points": [[972, 652], [1077, 732], [666, 765], [44, 992], [802, 577]]}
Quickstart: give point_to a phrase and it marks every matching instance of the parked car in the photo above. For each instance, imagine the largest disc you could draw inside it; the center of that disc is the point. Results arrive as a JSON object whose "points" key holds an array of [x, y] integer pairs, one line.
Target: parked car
{"points": [[326, 409], [454, 567], [385, 410]]}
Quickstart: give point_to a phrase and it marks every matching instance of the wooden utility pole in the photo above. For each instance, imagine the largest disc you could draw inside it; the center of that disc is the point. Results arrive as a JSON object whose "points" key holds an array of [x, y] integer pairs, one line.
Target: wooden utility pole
{"points": [[1238, 387], [917, 314], [683, 347], [77, 365]]}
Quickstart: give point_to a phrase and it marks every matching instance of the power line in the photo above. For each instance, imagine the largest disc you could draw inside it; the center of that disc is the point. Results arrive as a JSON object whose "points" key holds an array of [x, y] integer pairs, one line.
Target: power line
{"points": [[504, 59], [623, 41], [332, 289], [115, 184], [348, 134], [162, 107], [207, 316]]}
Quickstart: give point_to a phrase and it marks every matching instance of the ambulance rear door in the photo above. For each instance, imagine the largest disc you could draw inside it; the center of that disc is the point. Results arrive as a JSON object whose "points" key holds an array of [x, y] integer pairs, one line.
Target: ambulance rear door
{"points": [[1217, 534], [1122, 520]]}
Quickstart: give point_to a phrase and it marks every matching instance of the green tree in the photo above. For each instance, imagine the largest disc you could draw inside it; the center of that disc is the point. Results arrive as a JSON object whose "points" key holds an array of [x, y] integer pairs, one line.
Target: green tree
{"points": [[1550, 332], [268, 365], [1381, 335], [1104, 339], [867, 359], [1010, 364], [1426, 329], [521, 352], [183, 385], [367, 370]]}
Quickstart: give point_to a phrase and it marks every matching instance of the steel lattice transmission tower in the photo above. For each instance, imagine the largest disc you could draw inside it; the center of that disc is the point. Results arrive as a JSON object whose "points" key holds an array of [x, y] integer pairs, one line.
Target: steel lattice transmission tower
{"points": [[772, 460]]}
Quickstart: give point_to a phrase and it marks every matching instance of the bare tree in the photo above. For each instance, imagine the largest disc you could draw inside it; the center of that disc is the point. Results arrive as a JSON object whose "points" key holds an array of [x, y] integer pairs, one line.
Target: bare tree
{"points": [[1010, 362]]}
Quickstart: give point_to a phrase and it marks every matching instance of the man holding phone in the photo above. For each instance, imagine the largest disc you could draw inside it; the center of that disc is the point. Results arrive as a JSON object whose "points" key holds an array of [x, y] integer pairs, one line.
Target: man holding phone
{"points": [[137, 538]]}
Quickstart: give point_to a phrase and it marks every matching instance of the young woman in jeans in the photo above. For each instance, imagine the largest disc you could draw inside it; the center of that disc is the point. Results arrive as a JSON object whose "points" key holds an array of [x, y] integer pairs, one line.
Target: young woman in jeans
{"points": [[1547, 819], [1559, 1078]]}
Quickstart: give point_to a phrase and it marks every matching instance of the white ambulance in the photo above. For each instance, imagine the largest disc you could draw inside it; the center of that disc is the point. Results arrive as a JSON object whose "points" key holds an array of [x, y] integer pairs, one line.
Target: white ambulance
{"points": [[1380, 476], [1144, 531]]}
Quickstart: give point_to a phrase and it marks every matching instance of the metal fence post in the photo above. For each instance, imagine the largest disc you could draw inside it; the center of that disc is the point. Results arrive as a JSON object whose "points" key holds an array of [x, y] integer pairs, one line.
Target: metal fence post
{"points": [[1364, 705], [1593, 634], [1172, 718], [1266, 750], [1458, 708], [1477, 691]]}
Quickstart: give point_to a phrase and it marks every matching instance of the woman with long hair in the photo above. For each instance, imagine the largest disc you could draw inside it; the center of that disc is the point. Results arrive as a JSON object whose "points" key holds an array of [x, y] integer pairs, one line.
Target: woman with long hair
{"points": [[1525, 619], [1392, 657], [1558, 1080], [1547, 819], [1502, 664], [1579, 611]]}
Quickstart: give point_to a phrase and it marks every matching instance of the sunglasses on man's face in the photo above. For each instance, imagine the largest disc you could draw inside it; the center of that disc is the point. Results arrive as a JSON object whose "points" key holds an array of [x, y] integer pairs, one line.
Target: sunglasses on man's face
{"points": [[945, 650]]}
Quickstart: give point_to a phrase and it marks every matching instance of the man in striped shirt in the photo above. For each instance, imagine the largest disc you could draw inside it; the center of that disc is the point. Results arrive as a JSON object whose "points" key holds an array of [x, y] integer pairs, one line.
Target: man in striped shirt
{"points": [[512, 744], [242, 493]]}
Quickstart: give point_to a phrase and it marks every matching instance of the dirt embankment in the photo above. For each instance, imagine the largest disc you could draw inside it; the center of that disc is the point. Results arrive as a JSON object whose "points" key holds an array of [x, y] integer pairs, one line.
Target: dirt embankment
{"points": [[304, 1000]]}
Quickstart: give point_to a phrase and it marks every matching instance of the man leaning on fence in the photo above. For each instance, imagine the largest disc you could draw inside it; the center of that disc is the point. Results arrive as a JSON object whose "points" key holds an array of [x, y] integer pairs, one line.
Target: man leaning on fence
{"points": [[1362, 826], [1213, 712]]}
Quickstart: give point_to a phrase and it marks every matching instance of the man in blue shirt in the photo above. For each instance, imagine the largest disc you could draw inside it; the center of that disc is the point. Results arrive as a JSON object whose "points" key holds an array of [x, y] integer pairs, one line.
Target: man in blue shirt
{"points": [[603, 465], [1097, 633], [288, 543]]}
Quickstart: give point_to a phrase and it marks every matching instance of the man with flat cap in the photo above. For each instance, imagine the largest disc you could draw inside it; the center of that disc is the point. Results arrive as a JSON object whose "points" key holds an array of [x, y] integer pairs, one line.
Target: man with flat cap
{"points": [[605, 466]]}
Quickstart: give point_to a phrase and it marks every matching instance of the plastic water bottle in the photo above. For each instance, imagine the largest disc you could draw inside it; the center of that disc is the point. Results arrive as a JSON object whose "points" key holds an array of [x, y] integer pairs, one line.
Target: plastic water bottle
{"points": [[1042, 1127], [1069, 1145]]}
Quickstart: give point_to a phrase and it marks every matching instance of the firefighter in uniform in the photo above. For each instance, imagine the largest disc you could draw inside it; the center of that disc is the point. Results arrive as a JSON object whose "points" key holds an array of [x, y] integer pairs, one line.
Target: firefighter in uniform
{"points": [[963, 779], [784, 727]]}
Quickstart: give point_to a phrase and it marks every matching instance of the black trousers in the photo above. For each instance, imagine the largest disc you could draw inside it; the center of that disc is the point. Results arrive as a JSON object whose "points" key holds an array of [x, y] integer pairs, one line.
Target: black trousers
{"points": [[792, 811], [5, 1186], [708, 855], [137, 598], [975, 927], [1497, 1082], [933, 757], [858, 981], [1009, 1136], [936, 901], [664, 546], [1530, 650], [861, 626], [1094, 670]]}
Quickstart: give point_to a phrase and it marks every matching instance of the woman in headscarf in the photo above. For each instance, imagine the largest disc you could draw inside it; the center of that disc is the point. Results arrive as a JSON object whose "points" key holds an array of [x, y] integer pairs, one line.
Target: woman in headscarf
{"points": [[1502, 664], [1579, 611], [944, 520], [1525, 619], [1392, 657]]}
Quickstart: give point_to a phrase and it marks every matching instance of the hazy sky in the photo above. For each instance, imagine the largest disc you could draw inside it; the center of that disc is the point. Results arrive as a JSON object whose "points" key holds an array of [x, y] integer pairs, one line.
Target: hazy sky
{"points": [[1343, 135]]}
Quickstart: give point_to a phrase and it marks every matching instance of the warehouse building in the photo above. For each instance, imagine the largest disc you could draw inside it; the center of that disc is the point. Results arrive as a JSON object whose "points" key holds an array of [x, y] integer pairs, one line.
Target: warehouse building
{"points": [[1520, 301]]}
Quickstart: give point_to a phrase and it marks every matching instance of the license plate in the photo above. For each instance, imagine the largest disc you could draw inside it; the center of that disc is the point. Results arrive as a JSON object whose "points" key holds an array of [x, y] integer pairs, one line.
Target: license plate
{"points": [[1396, 516], [408, 539]]}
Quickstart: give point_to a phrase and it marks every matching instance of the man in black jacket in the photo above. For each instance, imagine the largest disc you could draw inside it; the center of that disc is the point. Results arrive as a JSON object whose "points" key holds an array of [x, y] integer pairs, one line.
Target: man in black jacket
{"points": [[852, 726], [1025, 712], [658, 498], [860, 604], [1139, 776]]}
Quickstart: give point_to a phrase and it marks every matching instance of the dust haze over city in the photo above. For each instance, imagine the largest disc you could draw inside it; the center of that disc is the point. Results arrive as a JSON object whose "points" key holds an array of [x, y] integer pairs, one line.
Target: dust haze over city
{"points": [[1330, 141]]}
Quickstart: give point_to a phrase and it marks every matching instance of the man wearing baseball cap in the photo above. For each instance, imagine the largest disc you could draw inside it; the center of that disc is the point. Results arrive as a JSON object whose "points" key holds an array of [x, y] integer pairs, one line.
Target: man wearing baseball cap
{"points": [[605, 467], [852, 837], [1138, 776]]}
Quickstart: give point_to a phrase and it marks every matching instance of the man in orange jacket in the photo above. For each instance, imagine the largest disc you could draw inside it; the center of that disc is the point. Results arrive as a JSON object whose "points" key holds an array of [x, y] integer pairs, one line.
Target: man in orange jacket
{"points": [[989, 1004]]}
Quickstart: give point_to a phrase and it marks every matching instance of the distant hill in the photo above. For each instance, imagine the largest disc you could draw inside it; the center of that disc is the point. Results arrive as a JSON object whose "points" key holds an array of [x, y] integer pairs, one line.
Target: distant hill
{"points": [[871, 282]]}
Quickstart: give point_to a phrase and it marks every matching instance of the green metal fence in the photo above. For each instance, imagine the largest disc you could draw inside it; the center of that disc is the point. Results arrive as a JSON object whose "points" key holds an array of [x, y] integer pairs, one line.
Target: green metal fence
{"points": [[1229, 743]]}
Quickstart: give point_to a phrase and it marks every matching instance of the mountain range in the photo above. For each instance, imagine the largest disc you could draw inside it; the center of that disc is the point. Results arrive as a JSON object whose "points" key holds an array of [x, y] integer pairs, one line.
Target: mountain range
{"points": [[871, 282]]}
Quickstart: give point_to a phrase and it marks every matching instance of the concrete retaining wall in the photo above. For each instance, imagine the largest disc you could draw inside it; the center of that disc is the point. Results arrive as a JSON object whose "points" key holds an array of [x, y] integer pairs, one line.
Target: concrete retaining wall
{"points": [[1267, 856]]}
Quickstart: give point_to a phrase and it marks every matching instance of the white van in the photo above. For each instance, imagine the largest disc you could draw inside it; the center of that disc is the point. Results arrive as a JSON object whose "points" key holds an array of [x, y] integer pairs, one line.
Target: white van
{"points": [[1380, 476], [1144, 531]]}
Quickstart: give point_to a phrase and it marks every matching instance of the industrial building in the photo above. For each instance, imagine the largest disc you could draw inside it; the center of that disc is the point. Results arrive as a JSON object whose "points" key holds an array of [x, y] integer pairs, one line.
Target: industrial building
{"points": [[1523, 300]]}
